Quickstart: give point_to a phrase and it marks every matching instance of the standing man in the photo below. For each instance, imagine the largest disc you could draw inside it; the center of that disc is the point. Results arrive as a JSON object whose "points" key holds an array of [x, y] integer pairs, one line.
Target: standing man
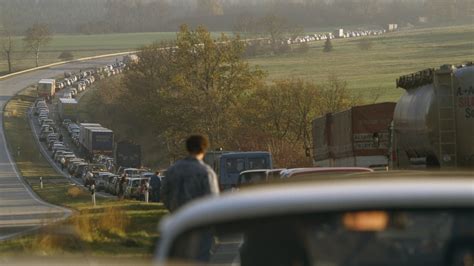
{"points": [[62, 162], [122, 183], [189, 178], [155, 186]]}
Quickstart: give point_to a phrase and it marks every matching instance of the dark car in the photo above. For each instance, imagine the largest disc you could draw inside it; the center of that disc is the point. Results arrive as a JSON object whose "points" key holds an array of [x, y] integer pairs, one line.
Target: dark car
{"points": [[369, 220]]}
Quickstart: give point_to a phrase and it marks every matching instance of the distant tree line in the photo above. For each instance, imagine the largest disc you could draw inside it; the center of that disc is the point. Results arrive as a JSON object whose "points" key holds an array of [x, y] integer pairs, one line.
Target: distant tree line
{"points": [[105, 16]]}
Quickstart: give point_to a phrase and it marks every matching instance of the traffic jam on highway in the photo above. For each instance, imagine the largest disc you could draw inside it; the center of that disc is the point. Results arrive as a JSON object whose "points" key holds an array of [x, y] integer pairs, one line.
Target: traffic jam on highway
{"points": [[86, 152], [348, 209]]}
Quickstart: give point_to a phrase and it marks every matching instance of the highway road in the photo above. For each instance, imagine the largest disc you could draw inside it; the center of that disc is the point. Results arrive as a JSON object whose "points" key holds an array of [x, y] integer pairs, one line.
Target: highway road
{"points": [[20, 209]]}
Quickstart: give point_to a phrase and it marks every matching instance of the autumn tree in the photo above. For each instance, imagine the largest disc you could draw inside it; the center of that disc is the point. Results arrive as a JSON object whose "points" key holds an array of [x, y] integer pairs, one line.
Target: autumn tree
{"points": [[275, 27], [193, 87], [245, 25], [278, 117], [210, 7], [36, 37], [7, 45], [336, 95]]}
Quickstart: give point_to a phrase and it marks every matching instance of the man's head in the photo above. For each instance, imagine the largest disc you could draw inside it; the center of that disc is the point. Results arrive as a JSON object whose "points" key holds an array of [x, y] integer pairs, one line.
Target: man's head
{"points": [[197, 145]]}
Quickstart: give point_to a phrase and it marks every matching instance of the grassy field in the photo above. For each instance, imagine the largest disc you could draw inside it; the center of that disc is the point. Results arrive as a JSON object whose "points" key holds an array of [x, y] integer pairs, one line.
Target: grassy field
{"points": [[85, 45], [126, 229], [373, 73]]}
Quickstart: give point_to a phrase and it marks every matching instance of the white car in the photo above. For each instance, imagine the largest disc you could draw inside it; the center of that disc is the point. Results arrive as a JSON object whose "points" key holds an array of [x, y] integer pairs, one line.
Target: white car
{"points": [[405, 219], [67, 95], [256, 176], [47, 121]]}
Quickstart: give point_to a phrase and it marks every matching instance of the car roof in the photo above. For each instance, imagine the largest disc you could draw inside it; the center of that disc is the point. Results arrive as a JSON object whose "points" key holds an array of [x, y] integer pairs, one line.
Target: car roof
{"points": [[262, 170], [372, 192], [137, 178], [105, 173], [323, 170], [147, 173], [246, 154]]}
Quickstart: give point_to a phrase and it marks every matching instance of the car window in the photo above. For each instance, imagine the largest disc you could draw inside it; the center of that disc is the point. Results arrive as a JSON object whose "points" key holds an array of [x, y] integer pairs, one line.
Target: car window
{"points": [[363, 237], [235, 165], [257, 163], [135, 183]]}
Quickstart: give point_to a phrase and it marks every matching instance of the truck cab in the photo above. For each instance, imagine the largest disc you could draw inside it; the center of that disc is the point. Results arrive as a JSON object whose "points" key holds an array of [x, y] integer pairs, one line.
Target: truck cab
{"points": [[46, 88]]}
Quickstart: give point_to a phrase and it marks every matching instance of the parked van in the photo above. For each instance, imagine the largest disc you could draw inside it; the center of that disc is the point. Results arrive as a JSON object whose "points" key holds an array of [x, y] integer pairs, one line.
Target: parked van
{"points": [[229, 165]]}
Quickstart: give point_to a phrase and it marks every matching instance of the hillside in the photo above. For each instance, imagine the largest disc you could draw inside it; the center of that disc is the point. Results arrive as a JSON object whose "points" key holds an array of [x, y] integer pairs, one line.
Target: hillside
{"points": [[373, 73]]}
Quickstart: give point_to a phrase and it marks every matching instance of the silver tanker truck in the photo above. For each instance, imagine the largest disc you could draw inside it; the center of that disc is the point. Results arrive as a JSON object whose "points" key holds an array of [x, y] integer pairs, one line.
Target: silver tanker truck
{"points": [[433, 122]]}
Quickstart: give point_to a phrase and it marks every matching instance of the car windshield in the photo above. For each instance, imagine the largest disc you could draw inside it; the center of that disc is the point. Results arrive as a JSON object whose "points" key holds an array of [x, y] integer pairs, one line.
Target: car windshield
{"points": [[97, 168], [135, 183], [366, 237], [235, 165], [257, 163], [131, 172]]}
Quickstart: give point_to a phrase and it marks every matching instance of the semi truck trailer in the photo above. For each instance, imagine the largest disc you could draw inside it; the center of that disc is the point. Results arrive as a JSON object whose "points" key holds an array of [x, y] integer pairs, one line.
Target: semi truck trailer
{"points": [[127, 154], [359, 136], [67, 108]]}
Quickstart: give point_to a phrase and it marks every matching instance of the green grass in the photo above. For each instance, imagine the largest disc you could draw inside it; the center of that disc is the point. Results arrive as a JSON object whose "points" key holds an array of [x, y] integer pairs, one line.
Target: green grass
{"points": [[85, 46], [373, 73], [370, 73], [124, 228]]}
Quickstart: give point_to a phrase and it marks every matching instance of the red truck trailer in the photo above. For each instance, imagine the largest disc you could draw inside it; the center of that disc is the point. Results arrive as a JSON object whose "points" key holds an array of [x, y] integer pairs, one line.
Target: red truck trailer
{"points": [[358, 137]]}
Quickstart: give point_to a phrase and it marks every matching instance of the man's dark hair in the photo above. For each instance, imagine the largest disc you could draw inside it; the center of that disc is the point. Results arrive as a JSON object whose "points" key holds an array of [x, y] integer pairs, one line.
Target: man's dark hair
{"points": [[197, 144]]}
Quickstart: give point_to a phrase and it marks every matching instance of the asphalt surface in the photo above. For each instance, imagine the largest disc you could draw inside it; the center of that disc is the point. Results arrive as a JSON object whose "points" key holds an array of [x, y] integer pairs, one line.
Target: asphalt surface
{"points": [[21, 210]]}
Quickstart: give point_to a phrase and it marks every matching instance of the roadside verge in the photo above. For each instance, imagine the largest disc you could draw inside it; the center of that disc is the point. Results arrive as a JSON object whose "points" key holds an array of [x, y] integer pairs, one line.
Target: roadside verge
{"points": [[124, 227]]}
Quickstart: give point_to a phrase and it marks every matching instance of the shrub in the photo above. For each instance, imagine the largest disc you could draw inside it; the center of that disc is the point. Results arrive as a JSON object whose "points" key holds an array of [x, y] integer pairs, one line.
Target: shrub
{"points": [[75, 192], [114, 220], [66, 56], [303, 48], [283, 48], [328, 46], [365, 44], [84, 226]]}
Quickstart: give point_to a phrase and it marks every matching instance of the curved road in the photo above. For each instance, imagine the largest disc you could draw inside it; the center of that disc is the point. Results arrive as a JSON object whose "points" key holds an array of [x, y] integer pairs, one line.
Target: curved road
{"points": [[20, 209]]}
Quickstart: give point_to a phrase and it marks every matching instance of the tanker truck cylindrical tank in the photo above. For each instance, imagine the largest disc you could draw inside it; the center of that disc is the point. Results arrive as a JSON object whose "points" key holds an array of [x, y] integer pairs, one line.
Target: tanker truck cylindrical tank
{"points": [[419, 118]]}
